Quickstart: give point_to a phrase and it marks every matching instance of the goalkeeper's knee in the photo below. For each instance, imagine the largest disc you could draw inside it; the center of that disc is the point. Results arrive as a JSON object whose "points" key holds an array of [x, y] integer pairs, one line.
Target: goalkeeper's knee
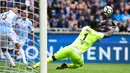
{"points": [[75, 65]]}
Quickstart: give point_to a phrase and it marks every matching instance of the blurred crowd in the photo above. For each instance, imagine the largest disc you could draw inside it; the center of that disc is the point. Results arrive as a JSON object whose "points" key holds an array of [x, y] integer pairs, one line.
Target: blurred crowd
{"points": [[78, 13], [31, 5], [74, 14]]}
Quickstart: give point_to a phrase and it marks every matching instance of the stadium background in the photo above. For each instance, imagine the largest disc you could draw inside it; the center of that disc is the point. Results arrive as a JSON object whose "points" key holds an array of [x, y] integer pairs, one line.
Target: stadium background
{"points": [[65, 20], [67, 17]]}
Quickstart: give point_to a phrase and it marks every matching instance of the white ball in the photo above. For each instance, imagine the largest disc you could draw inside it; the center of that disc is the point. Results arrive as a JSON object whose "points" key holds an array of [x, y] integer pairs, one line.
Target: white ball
{"points": [[108, 10]]}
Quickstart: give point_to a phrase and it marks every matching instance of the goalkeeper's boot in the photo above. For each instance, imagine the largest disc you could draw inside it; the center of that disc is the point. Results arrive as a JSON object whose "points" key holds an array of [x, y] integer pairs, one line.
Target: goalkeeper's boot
{"points": [[63, 66], [29, 67], [36, 65]]}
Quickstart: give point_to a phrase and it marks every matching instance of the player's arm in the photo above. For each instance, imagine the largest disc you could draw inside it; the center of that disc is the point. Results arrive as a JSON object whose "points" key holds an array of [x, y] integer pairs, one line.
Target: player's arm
{"points": [[31, 33], [32, 42], [110, 32], [15, 53]]}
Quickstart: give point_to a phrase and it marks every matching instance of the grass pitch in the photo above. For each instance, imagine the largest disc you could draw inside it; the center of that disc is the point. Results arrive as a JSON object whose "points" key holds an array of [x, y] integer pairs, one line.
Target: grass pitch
{"points": [[92, 68], [86, 68], [20, 68]]}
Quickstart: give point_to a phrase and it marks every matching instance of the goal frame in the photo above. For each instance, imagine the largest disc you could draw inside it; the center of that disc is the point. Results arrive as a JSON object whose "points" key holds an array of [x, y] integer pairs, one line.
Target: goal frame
{"points": [[43, 36]]}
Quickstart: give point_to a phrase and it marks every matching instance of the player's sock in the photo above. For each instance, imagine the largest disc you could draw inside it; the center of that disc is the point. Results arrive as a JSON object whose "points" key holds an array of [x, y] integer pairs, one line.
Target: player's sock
{"points": [[63, 66], [36, 65], [7, 55], [21, 51], [49, 60]]}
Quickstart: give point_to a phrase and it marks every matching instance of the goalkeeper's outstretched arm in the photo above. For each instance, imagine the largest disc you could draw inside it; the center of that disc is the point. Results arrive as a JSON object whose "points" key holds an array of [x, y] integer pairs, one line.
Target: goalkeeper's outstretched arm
{"points": [[110, 32]]}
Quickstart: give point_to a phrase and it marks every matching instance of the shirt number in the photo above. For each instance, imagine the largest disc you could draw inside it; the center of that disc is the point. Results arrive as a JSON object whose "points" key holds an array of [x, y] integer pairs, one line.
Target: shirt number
{"points": [[82, 41], [85, 35]]}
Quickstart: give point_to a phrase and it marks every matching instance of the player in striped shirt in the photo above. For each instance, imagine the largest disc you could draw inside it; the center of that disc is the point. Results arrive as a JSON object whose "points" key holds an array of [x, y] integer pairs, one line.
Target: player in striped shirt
{"points": [[22, 28], [7, 20]]}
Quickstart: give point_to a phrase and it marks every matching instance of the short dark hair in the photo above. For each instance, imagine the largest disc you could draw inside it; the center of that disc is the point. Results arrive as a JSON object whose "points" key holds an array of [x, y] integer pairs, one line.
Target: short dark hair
{"points": [[94, 24], [15, 6]]}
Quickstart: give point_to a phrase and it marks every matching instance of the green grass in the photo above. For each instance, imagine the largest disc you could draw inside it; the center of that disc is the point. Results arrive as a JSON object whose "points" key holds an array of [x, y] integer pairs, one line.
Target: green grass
{"points": [[20, 68], [86, 68], [92, 68]]}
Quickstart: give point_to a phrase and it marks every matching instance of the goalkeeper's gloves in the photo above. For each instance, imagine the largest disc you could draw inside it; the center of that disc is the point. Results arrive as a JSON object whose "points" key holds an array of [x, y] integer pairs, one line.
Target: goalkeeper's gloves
{"points": [[114, 23], [102, 23]]}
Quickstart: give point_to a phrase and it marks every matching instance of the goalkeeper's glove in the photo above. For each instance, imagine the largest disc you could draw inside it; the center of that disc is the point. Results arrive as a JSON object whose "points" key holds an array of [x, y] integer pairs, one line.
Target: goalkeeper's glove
{"points": [[114, 23]]}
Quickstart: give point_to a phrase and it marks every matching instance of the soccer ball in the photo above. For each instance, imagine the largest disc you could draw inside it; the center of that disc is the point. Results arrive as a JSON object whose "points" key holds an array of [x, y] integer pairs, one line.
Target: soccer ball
{"points": [[107, 10]]}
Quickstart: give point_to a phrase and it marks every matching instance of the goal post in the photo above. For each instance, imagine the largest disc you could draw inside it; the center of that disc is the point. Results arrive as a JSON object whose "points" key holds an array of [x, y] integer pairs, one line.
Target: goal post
{"points": [[43, 36]]}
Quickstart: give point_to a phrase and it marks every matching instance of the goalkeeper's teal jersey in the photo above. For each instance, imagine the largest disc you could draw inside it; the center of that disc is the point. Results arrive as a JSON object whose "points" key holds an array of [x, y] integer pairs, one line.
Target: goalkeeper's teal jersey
{"points": [[86, 38]]}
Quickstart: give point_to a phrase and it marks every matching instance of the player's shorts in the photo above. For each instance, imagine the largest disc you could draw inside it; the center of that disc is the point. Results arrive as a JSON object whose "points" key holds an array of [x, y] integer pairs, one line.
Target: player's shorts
{"points": [[70, 52], [4, 40], [6, 29], [13, 36], [12, 46]]}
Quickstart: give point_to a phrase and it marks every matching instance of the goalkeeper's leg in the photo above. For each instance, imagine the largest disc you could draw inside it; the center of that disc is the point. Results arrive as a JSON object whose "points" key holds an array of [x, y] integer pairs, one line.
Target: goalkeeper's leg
{"points": [[60, 55], [77, 60]]}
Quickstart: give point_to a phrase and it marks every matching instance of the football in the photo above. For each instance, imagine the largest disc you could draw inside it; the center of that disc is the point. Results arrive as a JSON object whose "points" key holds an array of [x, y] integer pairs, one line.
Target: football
{"points": [[108, 10]]}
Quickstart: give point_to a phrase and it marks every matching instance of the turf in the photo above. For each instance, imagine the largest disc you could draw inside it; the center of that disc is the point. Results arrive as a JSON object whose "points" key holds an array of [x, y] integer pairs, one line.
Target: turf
{"points": [[86, 68], [20, 68], [92, 68]]}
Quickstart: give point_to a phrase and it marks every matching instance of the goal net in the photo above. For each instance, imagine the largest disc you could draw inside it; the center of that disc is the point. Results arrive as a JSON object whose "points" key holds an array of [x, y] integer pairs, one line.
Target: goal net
{"points": [[30, 40]]}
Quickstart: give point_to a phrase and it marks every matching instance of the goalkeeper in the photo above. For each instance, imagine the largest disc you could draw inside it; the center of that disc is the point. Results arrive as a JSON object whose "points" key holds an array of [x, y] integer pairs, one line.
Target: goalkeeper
{"points": [[87, 37]]}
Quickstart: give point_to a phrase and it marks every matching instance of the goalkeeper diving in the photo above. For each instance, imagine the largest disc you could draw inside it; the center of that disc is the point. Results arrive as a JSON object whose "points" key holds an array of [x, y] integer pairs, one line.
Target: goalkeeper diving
{"points": [[87, 37]]}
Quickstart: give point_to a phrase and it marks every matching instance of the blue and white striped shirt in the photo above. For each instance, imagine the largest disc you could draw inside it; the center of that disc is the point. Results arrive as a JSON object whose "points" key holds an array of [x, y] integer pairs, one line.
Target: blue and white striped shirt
{"points": [[22, 28]]}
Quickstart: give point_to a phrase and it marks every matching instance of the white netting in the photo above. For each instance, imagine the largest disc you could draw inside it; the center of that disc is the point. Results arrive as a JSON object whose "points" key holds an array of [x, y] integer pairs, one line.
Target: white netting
{"points": [[31, 47]]}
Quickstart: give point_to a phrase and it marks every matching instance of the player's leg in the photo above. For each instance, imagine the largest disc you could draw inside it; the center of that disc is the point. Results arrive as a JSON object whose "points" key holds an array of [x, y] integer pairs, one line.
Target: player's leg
{"points": [[7, 55], [60, 55], [14, 38], [21, 52], [1, 53], [77, 60], [4, 48]]}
